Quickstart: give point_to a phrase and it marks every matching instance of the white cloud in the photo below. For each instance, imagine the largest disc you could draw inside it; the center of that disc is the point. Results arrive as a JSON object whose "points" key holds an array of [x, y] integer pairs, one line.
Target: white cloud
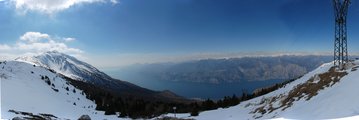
{"points": [[51, 6], [69, 39], [36, 42], [114, 1], [41, 42], [4, 47], [34, 37]]}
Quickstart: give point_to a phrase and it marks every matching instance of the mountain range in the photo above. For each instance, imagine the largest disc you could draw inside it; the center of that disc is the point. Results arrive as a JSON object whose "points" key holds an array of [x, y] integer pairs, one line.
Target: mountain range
{"points": [[231, 70]]}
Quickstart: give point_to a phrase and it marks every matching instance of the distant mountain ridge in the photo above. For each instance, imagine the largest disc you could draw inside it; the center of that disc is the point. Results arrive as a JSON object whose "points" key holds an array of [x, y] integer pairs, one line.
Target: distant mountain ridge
{"points": [[232, 70]]}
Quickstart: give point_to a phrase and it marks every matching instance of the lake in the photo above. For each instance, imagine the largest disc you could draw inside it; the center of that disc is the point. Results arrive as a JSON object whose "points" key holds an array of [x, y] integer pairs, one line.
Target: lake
{"points": [[194, 90]]}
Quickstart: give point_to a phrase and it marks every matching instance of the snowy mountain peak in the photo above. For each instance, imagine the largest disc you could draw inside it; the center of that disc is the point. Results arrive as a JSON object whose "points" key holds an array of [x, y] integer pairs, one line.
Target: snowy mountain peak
{"points": [[32, 92], [66, 65], [63, 83], [77, 70]]}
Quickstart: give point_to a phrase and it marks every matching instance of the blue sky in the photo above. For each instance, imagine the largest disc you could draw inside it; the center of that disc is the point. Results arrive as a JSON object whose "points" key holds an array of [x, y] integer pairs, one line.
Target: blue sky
{"points": [[129, 31]]}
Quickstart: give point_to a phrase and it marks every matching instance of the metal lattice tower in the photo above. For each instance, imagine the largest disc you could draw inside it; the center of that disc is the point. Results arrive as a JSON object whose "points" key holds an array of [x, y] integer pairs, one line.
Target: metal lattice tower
{"points": [[340, 41]]}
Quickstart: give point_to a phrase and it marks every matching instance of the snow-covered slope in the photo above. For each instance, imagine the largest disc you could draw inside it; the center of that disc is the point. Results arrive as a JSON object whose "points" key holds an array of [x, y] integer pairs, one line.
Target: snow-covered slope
{"points": [[320, 94], [34, 89]]}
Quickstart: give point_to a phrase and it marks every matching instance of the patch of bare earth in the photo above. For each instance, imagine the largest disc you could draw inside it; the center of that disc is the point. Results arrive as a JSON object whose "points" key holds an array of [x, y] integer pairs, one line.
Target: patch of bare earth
{"points": [[302, 91]]}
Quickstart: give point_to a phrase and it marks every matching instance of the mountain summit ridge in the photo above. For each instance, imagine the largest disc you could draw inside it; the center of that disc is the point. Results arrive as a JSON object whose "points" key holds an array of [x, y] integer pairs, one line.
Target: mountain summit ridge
{"points": [[66, 65]]}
